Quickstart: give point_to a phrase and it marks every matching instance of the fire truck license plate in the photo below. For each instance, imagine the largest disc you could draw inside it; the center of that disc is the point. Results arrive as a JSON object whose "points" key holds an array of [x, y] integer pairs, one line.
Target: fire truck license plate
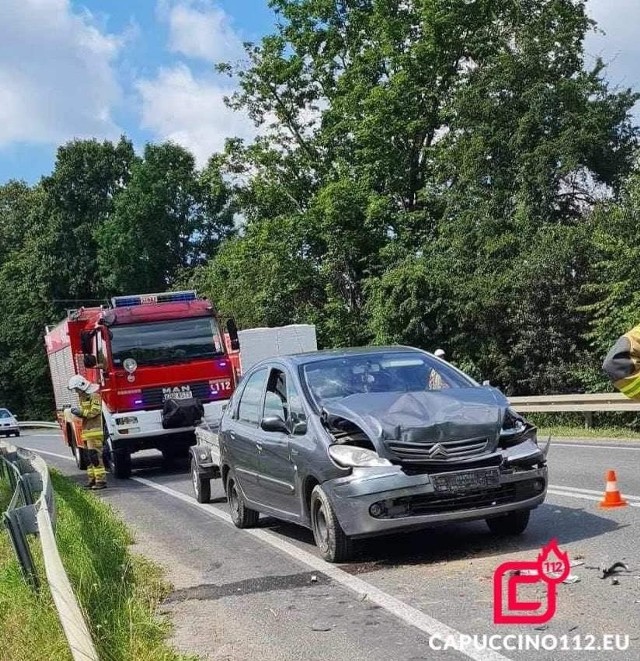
{"points": [[484, 478], [183, 392]]}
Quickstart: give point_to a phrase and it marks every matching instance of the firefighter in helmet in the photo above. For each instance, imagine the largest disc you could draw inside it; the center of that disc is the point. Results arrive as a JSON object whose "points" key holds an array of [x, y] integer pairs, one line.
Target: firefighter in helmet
{"points": [[90, 411], [622, 364]]}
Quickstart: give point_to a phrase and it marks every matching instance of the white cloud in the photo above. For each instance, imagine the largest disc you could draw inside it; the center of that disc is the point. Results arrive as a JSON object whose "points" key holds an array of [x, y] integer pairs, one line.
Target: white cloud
{"points": [[201, 30], [191, 111], [619, 47], [57, 81]]}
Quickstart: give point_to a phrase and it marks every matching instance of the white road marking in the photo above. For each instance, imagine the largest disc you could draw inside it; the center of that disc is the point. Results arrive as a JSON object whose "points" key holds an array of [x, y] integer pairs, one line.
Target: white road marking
{"points": [[594, 446], [412, 616], [590, 491], [584, 496]]}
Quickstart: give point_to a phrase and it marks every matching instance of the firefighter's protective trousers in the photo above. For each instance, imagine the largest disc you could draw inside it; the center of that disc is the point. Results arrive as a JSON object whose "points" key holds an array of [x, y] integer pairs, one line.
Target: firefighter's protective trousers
{"points": [[93, 436]]}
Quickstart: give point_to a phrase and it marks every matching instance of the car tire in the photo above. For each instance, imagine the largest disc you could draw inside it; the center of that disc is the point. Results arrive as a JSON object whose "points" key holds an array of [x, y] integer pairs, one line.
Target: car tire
{"points": [[332, 542], [241, 515], [201, 485], [513, 523], [17, 434]]}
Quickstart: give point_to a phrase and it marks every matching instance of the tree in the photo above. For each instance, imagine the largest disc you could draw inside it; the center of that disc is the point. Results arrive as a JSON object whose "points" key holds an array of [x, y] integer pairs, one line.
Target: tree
{"points": [[463, 145], [169, 219]]}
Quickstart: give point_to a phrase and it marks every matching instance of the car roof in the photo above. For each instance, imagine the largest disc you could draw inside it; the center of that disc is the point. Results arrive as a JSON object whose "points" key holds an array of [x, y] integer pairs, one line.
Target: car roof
{"points": [[297, 359]]}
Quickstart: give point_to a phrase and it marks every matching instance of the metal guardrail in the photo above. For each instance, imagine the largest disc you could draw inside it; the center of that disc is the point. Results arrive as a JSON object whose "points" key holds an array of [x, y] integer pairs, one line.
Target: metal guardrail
{"points": [[38, 424], [31, 511], [587, 404]]}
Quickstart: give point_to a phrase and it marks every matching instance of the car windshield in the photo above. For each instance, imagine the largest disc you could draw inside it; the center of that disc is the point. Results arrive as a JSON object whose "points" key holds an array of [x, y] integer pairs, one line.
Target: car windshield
{"points": [[172, 341], [4, 413], [335, 378]]}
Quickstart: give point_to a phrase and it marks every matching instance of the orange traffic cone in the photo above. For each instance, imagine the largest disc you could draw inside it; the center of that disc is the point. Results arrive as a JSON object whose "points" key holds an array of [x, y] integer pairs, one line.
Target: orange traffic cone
{"points": [[612, 497]]}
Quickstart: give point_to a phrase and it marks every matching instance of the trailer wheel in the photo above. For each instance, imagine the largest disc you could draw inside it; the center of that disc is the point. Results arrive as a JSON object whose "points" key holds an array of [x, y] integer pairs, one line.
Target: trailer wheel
{"points": [[201, 485]]}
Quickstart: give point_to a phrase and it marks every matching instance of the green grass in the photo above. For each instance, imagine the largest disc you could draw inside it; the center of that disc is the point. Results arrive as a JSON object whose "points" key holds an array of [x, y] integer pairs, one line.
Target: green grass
{"points": [[118, 591]]}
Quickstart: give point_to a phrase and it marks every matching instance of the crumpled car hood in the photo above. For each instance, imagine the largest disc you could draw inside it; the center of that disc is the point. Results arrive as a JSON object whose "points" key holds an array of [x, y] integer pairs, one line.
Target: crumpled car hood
{"points": [[423, 417]]}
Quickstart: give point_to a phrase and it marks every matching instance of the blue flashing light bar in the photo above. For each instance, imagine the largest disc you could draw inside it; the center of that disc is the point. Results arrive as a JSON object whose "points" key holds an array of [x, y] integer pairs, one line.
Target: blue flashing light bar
{"points": [[153, 299]]}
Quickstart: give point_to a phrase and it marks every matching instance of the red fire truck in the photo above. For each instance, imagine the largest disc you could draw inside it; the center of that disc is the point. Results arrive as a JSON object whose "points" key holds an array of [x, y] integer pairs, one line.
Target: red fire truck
{"points": [[162, 362]]}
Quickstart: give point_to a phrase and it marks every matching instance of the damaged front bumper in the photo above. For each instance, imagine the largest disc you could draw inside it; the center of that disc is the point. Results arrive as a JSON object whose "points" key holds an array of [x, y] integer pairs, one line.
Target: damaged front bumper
{"points": [[373, 501]]}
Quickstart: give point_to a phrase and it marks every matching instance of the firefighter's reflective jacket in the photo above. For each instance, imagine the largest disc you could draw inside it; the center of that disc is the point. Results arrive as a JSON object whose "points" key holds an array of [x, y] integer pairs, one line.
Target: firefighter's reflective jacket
{"points": [[622, 364], [91, 407]]}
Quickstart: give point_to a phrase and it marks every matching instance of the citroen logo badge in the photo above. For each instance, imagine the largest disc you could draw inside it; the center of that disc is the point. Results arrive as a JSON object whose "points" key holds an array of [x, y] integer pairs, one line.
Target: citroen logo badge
{"points": [[438, 451]]}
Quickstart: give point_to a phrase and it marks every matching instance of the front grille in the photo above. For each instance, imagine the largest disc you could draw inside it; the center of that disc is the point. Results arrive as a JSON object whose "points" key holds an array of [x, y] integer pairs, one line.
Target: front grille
{"points": [[444, 451], [434, 504], [154, 397]]}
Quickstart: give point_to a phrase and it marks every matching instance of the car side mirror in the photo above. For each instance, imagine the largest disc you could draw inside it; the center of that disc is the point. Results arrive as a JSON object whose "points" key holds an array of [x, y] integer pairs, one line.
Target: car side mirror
{"points": [[274, 423], [89, 360], [486, 383], [232, 329]]}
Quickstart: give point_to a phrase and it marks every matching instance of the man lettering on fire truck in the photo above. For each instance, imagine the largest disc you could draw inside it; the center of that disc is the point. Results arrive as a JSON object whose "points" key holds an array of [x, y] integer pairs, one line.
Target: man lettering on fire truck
{"points": [[90, 410]]}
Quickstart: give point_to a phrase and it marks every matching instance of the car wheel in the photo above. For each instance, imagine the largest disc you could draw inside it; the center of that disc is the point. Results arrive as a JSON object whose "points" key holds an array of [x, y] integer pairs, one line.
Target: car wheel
{"points": [[201, 485], [513, 523], [17, 434], [331, 540], [241, 515]]}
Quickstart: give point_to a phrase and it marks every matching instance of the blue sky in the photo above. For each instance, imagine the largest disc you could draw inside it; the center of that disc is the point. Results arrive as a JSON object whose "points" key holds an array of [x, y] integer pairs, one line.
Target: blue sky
{"points": [[100, 68]]}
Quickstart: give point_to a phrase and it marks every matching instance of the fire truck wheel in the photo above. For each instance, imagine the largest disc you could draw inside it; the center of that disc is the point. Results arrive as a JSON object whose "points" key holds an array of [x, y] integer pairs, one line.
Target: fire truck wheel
{"points": [[119, 462], [79, 454]]}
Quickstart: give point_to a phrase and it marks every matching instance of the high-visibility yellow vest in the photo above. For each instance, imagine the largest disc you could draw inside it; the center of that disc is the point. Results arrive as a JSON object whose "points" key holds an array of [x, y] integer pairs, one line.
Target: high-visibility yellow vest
{"points": [[622, 364], [91, 406]]}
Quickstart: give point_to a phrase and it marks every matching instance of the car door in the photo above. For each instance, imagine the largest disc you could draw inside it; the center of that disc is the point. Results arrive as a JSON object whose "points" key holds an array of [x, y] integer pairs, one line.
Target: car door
{"points": [[242, 434], [278, 473]]}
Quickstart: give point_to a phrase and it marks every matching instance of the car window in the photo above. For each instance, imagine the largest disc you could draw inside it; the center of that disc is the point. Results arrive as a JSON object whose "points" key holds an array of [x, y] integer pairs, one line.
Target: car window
{"points": [[275, 400], [296, 408], [4, 413], [335, 378], [251, 398], [283, 398]]}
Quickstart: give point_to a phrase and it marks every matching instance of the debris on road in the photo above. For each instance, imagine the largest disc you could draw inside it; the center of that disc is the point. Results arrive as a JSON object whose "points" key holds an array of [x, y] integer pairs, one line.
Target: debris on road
{"points": [[615, 581], [572, 578], [321, 626], [314, 579], [612, 569], [576, 563]]}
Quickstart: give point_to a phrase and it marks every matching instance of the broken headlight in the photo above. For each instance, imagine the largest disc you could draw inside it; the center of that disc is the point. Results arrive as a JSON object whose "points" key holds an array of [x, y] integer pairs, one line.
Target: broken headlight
{"points": [[349, 456], [515, 429]]}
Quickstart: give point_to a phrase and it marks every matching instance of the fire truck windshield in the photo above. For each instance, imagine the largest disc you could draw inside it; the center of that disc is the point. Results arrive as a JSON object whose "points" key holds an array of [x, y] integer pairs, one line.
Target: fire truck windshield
{"points": [[162, 342]]}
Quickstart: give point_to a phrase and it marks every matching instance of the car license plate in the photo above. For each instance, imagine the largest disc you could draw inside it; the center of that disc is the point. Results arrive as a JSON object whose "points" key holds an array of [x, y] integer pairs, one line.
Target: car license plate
{"points": [[459, 482]]}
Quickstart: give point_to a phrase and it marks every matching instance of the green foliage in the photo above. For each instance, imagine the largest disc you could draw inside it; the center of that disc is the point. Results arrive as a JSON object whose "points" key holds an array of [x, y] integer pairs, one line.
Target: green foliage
{"points": [[613, 289], [435, 173], [169, 218], [440, 161]]}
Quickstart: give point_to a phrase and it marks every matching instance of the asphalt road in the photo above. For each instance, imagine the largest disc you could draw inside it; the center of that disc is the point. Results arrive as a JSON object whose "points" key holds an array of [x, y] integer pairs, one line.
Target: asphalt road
{"points": [[265, 593]]}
